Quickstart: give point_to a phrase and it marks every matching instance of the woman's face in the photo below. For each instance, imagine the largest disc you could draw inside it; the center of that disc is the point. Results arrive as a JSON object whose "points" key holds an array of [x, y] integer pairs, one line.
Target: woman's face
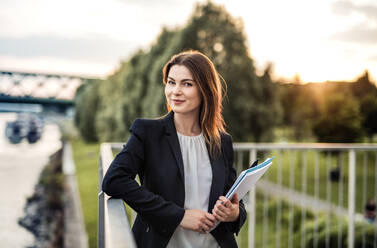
{"points": [[182, 92]]}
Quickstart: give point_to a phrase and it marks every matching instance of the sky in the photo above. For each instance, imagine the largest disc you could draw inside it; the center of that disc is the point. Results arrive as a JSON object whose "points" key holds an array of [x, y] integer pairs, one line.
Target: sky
{"points": [[317, 40]]}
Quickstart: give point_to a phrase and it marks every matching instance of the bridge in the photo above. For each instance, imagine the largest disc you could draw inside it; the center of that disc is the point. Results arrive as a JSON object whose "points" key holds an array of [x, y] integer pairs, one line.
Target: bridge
{"points": [[39, 91]]}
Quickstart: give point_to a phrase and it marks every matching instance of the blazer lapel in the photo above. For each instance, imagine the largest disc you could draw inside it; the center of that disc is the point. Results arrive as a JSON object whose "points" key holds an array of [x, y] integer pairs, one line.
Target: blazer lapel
{"points": [[218, 179], [171, 134], [217, 165]]}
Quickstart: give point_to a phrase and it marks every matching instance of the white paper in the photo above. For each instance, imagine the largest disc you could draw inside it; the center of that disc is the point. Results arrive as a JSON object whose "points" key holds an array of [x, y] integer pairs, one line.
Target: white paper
{"points": [[246, 180]]}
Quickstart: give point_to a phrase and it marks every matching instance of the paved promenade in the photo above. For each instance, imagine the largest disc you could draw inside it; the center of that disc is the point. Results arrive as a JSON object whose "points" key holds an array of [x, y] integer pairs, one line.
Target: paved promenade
{"points": [[20, 166]]}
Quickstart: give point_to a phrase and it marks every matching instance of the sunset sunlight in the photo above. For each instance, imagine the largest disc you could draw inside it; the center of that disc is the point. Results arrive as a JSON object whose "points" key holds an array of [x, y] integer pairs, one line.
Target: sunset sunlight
{"points": [[318, 40]]}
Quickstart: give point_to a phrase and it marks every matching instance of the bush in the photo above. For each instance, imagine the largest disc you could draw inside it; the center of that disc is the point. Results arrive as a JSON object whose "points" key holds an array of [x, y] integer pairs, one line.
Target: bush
{"points": [[340, 120], [334, 239]]}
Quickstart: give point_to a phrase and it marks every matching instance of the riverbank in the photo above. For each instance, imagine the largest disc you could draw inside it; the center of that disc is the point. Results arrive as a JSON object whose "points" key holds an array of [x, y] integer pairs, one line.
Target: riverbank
{"points": [[44, 210], [20, 167]]}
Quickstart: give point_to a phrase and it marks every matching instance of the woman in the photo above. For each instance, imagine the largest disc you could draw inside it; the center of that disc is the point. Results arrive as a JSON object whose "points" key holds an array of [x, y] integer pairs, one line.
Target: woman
{"points": [[185, 164]]}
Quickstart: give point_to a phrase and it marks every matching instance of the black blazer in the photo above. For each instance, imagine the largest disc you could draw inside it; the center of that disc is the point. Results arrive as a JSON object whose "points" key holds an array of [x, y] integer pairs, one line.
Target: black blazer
{"points": [[153, 152]]}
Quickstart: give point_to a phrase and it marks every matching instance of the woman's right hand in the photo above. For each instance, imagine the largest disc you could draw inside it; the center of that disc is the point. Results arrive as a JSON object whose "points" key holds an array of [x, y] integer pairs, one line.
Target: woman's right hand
{"points": [[197, 220]]}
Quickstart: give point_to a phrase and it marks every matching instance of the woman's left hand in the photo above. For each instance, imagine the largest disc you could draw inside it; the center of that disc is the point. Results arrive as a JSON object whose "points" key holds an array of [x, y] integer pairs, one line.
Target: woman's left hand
{"points": [[226, 210]]}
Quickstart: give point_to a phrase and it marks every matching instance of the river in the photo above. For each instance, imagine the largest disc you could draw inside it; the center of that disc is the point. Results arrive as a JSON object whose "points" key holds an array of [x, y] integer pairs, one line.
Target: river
{"points": [[20, 166]]}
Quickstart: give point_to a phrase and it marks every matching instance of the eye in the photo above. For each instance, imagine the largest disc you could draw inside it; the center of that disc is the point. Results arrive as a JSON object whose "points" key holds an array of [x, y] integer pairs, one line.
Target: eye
{"points": [[188, 84], [171, 82]]}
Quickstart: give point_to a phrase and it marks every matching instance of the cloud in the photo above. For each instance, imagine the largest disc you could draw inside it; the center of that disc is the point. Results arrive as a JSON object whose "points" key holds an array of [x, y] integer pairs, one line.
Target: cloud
{"points": [[85, 48], [365, 31], [358, 34], [343, 8], [151, 4], [346, 8], [98, 33]]}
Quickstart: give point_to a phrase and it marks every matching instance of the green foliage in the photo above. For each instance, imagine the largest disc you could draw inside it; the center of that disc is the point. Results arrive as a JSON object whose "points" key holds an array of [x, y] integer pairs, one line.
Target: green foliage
{"points": [[86, 105], [44, 210], [52, 180], [368, 111], [250, 110], [306, 109], [340, 120], [300, 108], [369, 238], [337, 236], [363, 86], [318, 227], [136, 89], [331, 111], [85, 157]]}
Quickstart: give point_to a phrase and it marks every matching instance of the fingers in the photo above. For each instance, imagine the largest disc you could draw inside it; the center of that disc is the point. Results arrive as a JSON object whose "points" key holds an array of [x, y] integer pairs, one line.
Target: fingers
{"points": [[211, 217], [235, 199], [220, 211], [203, 230], [198, 220], [226, 210], [224, 201], [207, 221], [224, 207], [221, 216], [205, 227]]}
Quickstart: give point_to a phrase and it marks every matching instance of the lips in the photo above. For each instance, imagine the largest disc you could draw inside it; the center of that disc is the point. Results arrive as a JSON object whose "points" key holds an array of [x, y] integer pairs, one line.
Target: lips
{"points": [[177, 101]]}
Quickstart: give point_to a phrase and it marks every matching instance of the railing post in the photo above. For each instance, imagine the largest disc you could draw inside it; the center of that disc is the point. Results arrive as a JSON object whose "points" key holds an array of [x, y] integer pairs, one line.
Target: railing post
{"points": [[351, 196], [251, 205], [113, 224], [101, 206]]}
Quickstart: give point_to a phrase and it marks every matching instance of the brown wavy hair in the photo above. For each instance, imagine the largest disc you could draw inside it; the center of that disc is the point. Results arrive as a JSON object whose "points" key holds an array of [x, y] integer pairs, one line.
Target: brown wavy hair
{"points": [[210, 87]]}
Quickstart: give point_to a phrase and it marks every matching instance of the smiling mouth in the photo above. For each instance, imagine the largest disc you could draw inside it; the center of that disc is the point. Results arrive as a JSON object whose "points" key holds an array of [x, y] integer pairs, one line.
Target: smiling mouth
{"points": [[178, 101]]}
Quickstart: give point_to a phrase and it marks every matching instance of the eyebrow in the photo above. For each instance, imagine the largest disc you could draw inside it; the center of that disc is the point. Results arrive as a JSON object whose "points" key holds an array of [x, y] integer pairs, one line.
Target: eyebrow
{"points": [[183, 80]]}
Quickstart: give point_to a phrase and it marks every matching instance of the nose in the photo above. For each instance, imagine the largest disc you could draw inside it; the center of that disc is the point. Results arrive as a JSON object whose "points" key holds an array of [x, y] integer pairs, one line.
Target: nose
{"points": [[177, 90]]}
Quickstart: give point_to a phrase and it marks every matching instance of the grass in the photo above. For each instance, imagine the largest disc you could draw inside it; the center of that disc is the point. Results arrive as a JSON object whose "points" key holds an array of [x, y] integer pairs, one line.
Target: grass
{"points": [[303, 232], [86, 161], [267, 236], [292, 174]]}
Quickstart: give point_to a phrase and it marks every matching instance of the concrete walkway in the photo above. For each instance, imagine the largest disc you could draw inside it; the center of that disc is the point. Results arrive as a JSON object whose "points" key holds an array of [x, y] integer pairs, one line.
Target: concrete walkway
{"points": [[20, 166], [303, 200], [74, 229]]}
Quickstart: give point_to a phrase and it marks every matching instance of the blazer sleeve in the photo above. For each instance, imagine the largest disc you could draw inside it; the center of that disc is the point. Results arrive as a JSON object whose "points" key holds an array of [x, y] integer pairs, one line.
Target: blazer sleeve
{"points": [[235, 226], [119, 182]]}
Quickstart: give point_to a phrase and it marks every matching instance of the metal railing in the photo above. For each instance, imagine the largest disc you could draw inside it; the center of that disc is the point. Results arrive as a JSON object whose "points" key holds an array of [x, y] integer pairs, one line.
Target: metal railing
{"points": [[113, 225], [310, 191], [304, 178]]}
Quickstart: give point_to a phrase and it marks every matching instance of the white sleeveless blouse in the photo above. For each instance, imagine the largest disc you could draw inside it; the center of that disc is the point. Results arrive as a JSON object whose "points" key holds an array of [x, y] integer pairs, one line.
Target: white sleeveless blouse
{"points": [[198, 180]]}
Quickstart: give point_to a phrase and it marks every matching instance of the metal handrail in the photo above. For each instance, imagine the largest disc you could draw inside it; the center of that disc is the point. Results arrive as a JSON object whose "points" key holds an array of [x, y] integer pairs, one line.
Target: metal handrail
{"points": [[253, 148], [304, 146], [113, 225], [291, 146]]}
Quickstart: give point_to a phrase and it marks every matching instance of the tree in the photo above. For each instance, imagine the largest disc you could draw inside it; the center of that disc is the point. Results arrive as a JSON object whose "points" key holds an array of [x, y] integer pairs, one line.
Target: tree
{"points": [[250, 107], [368, 110], [121, 95], [363, 86], [86, 105], [136, 89], [300, 108], [340, 119]]}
